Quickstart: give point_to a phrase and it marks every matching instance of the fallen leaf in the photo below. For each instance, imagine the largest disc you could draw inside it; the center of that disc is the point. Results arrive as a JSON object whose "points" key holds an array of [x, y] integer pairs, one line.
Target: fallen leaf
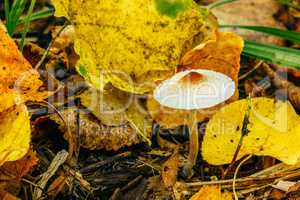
{"points": [[14, 133], [170, 170], [149, 44], [19, 82], [108, 106], [7, 196], [12, 172], [94, 134], [211, 193], [221, 54], [273, 130], [117, 108]]}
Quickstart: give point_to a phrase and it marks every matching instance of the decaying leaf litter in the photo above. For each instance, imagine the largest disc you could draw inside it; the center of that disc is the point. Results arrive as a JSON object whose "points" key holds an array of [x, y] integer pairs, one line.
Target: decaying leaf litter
{"points": [[139, 152]]}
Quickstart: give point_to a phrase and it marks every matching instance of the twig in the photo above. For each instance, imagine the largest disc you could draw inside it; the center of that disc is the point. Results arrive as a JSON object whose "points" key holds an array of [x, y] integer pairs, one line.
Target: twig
{"points": [[49, 47], [57, 161], [251, 71], [245, 132], [104, 162]]}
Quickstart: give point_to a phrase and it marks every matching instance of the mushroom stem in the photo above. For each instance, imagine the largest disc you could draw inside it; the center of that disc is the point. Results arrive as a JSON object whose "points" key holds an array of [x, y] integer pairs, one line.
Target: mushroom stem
{"points": [[194, 139]]}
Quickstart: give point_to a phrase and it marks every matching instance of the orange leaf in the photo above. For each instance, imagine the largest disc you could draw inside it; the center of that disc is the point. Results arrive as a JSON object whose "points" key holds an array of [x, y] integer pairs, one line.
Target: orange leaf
{"points": [[211, 193], [170, 170], [19, 82]]}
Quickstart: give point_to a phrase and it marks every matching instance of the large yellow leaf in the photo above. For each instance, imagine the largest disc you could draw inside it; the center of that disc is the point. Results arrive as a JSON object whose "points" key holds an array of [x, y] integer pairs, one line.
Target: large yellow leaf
{"points": [[273, 130], [221, 54], [14, 133], [128, 42]]}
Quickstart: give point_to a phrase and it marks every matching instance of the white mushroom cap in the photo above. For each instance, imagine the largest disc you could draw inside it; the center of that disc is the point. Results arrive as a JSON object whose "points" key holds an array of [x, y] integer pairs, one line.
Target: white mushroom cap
{"points": [[194, 89]]}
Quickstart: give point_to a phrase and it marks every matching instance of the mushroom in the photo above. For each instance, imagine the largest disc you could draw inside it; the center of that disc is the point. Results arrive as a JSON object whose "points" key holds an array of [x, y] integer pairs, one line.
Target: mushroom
{"points": [[192, 90]]}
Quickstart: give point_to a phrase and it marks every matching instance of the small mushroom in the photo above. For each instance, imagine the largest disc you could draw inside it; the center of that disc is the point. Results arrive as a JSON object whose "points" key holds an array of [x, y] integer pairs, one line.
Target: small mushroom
{"points": [[192, 90]]}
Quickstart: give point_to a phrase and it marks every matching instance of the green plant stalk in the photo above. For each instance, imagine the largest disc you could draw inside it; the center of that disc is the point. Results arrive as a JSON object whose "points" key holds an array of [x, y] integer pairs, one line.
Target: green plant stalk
{"points": [[285, 34], [274, 54], [27, 23], [219, 3], [38, 15], [6, 9], [13, 14]]}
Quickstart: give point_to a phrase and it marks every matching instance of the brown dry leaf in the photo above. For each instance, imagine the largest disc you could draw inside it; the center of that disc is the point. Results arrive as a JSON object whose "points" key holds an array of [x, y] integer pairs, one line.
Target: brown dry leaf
{"points": [[221, 54], [20, 168], [94, 134], [251, 12], [12, 172], [7, 196], [19, 82], [114, 107], [211, 193], [170, 170]]}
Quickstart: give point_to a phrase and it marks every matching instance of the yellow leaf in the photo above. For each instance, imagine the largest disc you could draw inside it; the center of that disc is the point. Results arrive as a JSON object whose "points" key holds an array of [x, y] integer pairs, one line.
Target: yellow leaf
{"points": [[211, 193], [273, 127], [128, 43], [116, 108], [14, 133], [221, 54]]}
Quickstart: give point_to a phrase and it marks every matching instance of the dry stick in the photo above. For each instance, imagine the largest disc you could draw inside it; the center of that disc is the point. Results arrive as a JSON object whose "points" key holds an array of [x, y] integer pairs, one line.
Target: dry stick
{"points": [[251, 71], [104, 162], [57, 161], [49, 47], [293, 91], [245, 132]]}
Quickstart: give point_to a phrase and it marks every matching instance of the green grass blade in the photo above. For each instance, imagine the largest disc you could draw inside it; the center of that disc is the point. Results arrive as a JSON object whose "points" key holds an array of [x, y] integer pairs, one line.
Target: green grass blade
{"points": [[219, 3], [274, 54], [27, 23], [15, 12], [6, 10], [285, 34], [38, 15]]}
